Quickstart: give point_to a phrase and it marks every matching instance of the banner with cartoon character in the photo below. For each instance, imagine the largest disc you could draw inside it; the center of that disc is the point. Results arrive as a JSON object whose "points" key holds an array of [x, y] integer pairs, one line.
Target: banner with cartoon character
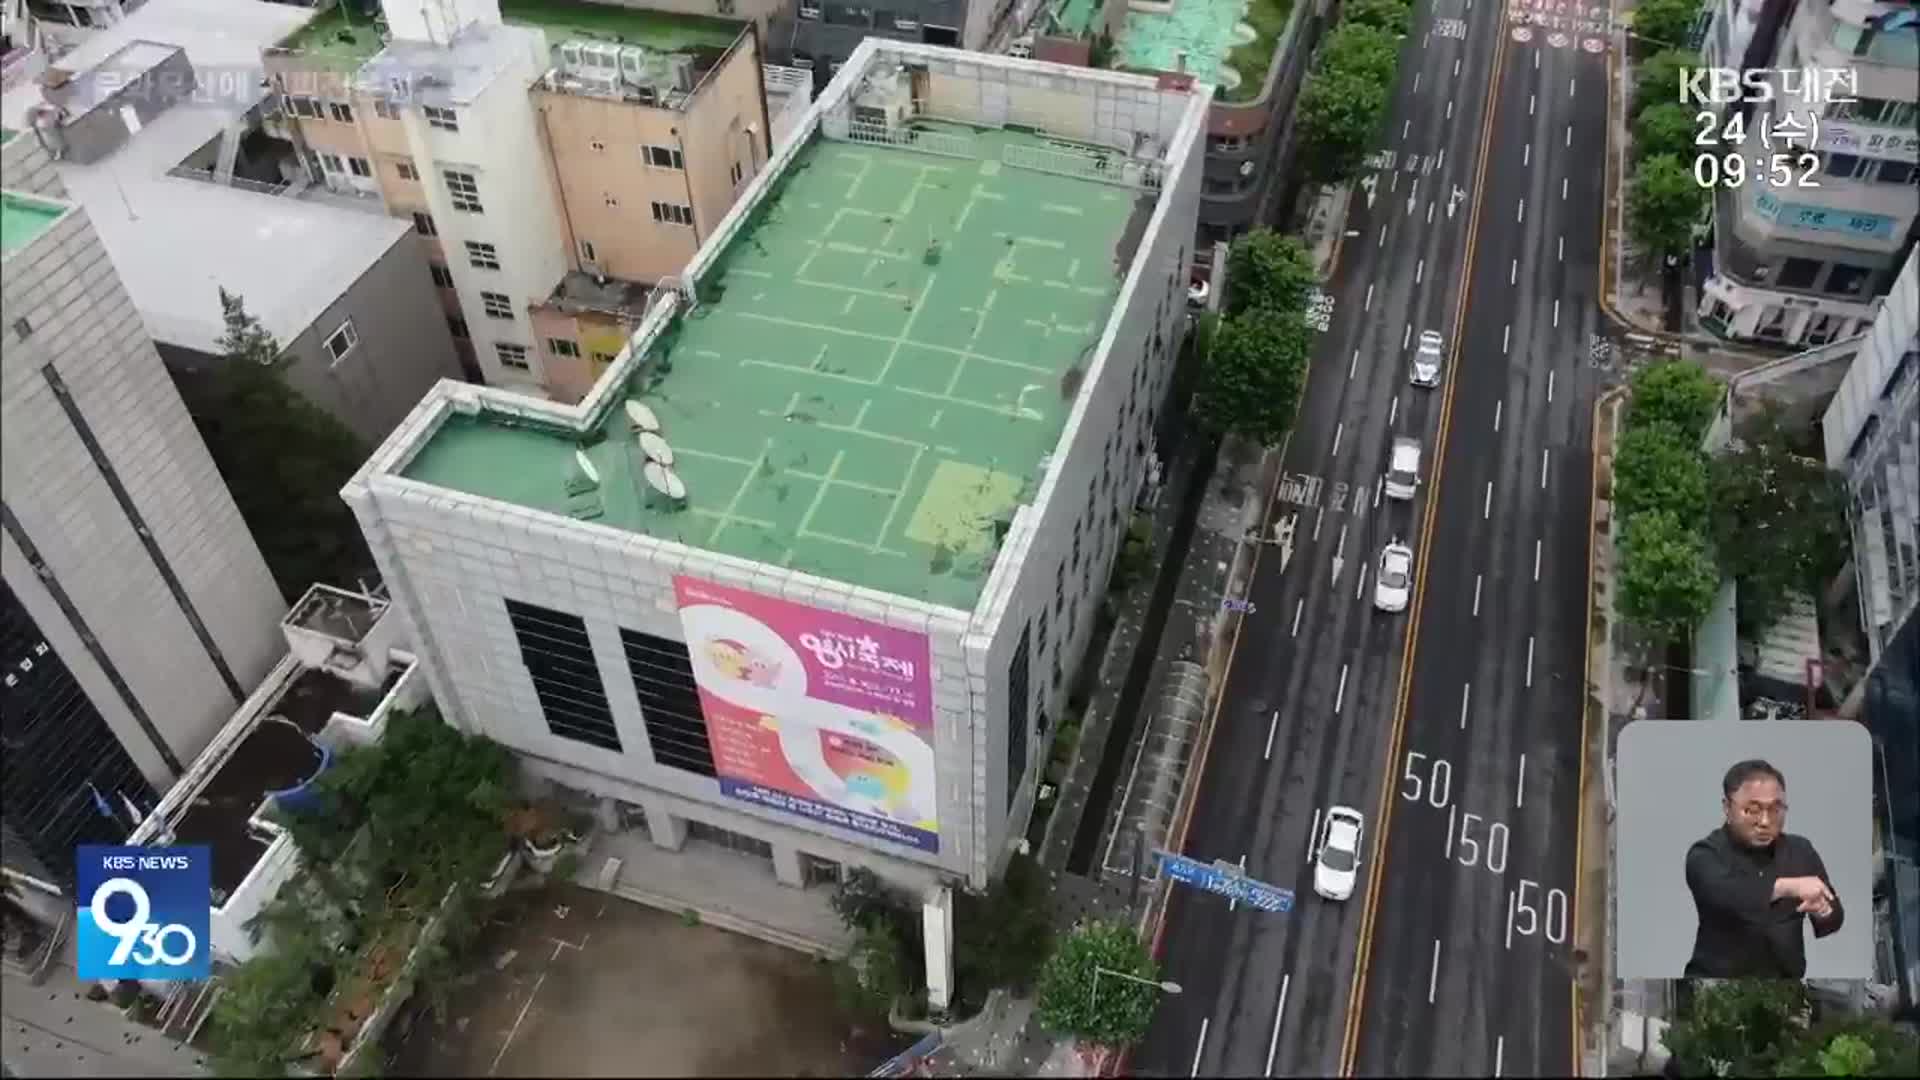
{"points": [[815, 713]]}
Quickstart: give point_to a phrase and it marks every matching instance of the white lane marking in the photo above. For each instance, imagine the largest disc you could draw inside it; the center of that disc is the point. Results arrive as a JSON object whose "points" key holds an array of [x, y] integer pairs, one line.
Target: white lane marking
{"points": [[1298, 606], [1571, 87], [1338, 430], [1433, 978], [1543, 467], [1368, 306], [1313, 837], [1353, 364], [1499, 1055], [1233, 902], [1536, 560], [1486, 508], [1550, 375], [1393, 411], [1272, 726], [1497, 406], [1420, 268], [1317, 519], [1530, 98], [1520, 215], [1513, 275], [1569, 134], [1529, 660], [1416, 82], [1360, 587], [1442, 163], [1200, 1046], [1274, 1042], [1563, 249], [1466, 695], [1520, 788], [1563, 189], [1340, 695], [1394, 185], [1453, 816], [1383, 237], [1526, 155], [1536, 60], [1449, 110], [1406, 128], [1476, 595], [1509, 919], [515, 1029], [1506, 338], [1378, 489], [1556, 313], [1429, 213], [1456, 69], [1406, 337]]}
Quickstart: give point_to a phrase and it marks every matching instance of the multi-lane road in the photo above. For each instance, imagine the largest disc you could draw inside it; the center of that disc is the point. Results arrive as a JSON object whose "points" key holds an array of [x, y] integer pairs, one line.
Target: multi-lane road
{"points": [[1456, 726]]}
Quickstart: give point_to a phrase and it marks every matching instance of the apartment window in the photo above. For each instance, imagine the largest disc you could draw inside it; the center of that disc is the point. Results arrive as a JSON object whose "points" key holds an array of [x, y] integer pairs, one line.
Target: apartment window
{"points": [[457, 326], [442, 276], [723, 7], [384, 109], [444, 119], [809, 9], [340, 111], [672, 213], [1798, 273], [1227, 144], [669, 702], [341, 341], [586, 251], [512, 356], [1846, 166], [1846, 280], [358, 166], [483, 256], [306, 107], [738, 172], [332, 163], [463, 190], [423, 224], [1877, 111], [406, 170], [662, 157], [1018, 691], [1895, 172], [497, 305], [566, 680], [563, 347]]}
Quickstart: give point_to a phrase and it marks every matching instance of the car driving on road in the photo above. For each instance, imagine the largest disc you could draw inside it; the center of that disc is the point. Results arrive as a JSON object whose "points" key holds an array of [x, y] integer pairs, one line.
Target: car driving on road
{"points": [[1394, 580], [1426, 362], [1337, 864], [1403, 468]]}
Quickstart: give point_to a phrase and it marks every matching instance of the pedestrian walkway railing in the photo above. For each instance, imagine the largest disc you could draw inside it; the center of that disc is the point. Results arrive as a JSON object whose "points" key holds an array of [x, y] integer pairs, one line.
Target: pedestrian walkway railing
{"points": [[905, 1062]]}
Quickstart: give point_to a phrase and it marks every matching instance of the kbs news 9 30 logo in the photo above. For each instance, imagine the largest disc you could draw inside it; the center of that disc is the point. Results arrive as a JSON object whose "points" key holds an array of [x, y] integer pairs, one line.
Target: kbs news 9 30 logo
{"points": [[144, 912]]}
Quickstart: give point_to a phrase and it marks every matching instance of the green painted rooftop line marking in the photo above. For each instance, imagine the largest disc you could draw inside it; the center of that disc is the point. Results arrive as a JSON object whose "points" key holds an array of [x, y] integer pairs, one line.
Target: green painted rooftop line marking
{"points": [[828, 417]]}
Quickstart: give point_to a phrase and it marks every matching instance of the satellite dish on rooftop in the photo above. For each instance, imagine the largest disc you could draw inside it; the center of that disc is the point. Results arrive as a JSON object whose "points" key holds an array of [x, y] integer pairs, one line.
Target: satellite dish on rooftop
{"points": [[656, 448], [664, 480], [641, 417]]}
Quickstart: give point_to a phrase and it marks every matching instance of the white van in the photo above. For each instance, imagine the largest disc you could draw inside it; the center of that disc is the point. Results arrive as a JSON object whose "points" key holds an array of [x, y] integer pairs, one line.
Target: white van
{"points": [[1403, 469]]}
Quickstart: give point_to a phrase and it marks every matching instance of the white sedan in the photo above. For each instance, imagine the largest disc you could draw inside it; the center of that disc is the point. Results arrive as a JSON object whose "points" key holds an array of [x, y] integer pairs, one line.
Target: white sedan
{"points": [[1393, 582], [1338, 863], [1426, 362]]}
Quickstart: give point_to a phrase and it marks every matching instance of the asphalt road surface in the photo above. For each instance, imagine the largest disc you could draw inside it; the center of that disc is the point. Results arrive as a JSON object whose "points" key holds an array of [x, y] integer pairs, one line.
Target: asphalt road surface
{"points": [[1417, 974]]}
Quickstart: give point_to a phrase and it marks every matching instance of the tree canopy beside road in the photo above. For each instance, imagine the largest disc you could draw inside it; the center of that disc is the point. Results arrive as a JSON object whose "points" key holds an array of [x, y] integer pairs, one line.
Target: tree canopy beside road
{"points": [[1346, 95], [1081, 995], [1664, 202], [1268, 269], [1779, 521], [1668, 573], [1256, 369]]}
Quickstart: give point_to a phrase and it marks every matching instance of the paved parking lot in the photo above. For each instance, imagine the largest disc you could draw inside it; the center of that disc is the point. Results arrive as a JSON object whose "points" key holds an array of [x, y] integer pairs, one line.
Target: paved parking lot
{"points": [[568, 981]]}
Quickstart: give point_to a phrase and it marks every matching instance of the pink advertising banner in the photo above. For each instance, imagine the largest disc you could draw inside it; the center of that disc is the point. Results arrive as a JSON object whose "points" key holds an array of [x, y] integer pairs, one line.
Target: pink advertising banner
{"points": [[815, 713]]}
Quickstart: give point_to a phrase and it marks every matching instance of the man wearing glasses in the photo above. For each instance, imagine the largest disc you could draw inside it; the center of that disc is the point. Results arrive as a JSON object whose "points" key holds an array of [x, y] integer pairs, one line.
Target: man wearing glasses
{"points": [[1754, 884]]}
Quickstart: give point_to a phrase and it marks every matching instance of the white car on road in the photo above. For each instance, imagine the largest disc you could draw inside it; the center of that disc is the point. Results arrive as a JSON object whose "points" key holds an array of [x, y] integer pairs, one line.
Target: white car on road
{"points": [[1426, 362], [1393, 581], [1403, 469], [1337, 864]]}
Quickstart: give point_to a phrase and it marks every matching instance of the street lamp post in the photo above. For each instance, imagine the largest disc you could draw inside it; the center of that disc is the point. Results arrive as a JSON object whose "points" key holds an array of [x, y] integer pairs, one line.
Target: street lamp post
{"points": [[1093, 999]]}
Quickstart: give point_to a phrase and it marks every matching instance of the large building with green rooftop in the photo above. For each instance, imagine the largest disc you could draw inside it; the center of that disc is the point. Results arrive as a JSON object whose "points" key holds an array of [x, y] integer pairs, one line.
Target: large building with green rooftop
{"points": [[812, 562]]}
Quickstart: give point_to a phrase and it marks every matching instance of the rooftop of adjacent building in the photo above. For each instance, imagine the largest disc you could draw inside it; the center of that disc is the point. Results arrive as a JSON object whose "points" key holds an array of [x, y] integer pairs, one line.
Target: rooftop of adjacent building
{"points": [[23, 217], [1229, 43], [176, 241], [846, 400], [350, 35]]}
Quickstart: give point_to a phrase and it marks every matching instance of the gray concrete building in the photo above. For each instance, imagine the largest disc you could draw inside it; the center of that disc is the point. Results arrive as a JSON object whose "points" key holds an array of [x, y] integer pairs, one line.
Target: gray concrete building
{"points": [[155, 123], [136, 610]]}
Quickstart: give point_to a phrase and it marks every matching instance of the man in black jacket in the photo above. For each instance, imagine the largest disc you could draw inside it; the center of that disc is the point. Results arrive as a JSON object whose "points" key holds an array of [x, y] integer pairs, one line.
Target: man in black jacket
{"points": [[1754, 885]]}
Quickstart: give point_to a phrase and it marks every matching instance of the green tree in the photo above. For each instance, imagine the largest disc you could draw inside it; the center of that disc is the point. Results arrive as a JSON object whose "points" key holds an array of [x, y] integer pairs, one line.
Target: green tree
{"points": [[1339, 115], [1393, 16], [1663, 203], [871, 977], [1665, 128], [1002, 937], [1254, 374], [1269, 269], [1356, 49], [1676, 393], [1859, 1045], [1667, 574], [1779, 522], [1112, 1011], [1664, 24], [283, 458], [263, 1007], [1737, 1028], [1657, 468], [1658, 79]]}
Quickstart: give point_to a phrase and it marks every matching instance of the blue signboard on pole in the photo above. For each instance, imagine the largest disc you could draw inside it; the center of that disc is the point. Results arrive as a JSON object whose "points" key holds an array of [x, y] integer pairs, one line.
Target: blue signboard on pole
{"points": [[1225, 879]]}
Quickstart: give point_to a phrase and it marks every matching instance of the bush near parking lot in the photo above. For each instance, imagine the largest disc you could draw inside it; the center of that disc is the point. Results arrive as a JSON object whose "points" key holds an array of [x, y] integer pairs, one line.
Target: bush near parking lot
{"points": [[1346, 95]]}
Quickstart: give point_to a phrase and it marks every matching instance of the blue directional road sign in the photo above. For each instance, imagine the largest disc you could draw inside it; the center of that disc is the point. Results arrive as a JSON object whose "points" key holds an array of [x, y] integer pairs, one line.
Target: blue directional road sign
{"points": [[1225, 879]]}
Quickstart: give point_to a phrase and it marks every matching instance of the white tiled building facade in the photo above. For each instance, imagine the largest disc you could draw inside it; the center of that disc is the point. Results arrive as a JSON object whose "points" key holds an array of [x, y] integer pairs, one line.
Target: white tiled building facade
{"points": [[453, 560]]}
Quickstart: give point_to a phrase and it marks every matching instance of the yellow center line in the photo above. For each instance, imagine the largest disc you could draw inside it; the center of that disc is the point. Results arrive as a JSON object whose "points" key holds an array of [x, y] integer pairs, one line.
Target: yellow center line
{"points": [[1356, 995]]}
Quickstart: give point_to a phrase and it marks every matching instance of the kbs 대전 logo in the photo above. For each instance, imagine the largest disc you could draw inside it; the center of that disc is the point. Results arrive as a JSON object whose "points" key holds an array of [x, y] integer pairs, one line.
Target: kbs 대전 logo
{"points": [[144, 912]]}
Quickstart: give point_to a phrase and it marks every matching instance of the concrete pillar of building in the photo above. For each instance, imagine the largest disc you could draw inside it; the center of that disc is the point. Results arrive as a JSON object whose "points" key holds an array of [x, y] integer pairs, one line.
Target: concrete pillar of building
{"points": [[668, 831], [937, 926], [786, 866]]}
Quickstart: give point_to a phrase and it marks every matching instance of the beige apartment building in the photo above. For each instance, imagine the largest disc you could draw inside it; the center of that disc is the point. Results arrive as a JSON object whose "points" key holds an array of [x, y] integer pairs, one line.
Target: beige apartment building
{"points": [[558, 159]]}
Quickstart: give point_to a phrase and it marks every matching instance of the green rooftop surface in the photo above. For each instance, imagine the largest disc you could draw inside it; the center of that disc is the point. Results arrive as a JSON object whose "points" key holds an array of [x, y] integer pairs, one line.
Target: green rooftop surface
{"points": [[842, 402], [352, 39], [1228, 43], [22, 218]]}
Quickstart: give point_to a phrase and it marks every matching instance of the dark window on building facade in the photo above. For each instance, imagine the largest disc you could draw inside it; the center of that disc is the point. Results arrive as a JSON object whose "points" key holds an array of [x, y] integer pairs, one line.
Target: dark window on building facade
{"points": [[669, 702], [1018, 691], [559, 657]]}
